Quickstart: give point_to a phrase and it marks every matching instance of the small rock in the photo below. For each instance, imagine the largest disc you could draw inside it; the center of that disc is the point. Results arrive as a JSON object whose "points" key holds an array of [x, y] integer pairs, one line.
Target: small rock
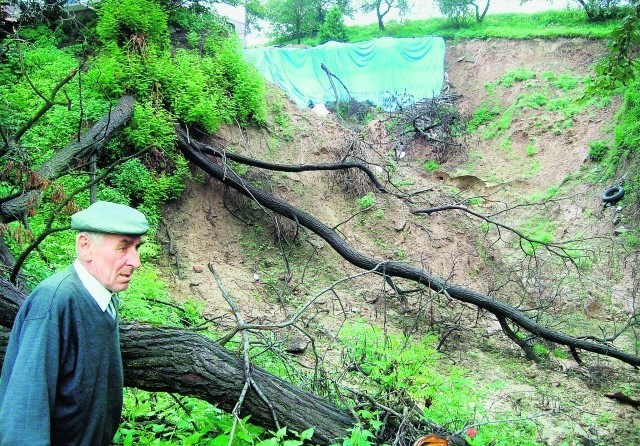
{"points": [[197, 268], [296, 345], [400, 225], [256, 277], [616, 221]]}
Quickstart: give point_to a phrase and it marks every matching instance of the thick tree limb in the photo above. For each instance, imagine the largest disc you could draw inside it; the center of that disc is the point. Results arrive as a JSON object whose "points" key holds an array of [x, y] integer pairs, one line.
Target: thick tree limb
{"points": [[181, 361], [194, 151], [63, 160], [222, 153]]}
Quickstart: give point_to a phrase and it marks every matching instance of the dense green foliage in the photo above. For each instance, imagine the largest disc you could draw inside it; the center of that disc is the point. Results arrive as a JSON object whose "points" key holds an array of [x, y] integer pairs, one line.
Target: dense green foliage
{"points": [[410, 368], [549, 24], [133, 24], [333, 28], [203, 85]]}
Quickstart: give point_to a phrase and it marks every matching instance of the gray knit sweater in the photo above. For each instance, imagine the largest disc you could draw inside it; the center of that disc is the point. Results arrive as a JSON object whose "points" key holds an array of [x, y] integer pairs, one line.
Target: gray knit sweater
{"points": [[62, 375]]}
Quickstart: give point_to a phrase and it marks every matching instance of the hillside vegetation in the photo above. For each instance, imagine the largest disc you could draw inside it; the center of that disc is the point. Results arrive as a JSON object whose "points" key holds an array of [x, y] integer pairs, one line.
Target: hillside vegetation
{"points": [[506, 203]]}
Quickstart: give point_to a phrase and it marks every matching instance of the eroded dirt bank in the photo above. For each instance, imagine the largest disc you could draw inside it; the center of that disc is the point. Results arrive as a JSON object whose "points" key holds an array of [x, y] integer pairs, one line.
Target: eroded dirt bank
{"points": [[536, 150]]}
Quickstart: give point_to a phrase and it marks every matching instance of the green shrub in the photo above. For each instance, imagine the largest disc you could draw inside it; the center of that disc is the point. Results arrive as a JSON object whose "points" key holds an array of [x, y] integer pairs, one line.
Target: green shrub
{"points": [[430, 166], [480, 116], [240, 79], [411, 369], [627, 131], [539, 230], [367, 201], [519, 75], [562, 82], [333, 27], [535, 100], [598, 150], [531, 150], [143, 22], [151, 127]]}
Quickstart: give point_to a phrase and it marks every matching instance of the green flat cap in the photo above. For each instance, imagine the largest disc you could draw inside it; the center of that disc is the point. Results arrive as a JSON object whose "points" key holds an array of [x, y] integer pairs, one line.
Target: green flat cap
{"points": [[110, 218]]}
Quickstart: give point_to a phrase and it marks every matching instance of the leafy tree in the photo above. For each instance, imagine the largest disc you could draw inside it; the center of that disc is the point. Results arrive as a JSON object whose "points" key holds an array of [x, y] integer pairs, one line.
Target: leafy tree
{"points": [[456, 10], [324, 6], [459, 10], [255, 12], [291, 18], [621, 66], [598, 10], [382, 8], [333, 28]]}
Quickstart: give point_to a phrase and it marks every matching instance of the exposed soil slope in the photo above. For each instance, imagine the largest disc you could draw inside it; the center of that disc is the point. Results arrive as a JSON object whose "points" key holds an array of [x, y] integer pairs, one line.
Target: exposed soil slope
{"points": [[537, 148]]}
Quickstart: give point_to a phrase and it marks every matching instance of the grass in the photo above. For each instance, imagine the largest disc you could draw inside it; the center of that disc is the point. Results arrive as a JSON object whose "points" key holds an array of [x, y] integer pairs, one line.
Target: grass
{"points": [[548, 25], [551, 101], [545, 25]]}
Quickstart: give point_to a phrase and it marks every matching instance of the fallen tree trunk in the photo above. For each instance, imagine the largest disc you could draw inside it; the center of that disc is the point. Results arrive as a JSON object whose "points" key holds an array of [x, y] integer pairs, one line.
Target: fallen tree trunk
{"points": [[196, 153], [177, 360], [92, 141], [181, 361]]}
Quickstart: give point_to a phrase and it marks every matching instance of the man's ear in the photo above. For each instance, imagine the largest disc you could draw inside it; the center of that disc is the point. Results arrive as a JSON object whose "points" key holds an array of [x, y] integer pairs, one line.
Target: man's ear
{"points": [[83, 247]]}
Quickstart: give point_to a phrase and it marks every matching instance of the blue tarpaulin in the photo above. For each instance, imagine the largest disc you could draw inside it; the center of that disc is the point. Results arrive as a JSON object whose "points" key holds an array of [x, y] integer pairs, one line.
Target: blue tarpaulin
{"points": [[372, 71]]}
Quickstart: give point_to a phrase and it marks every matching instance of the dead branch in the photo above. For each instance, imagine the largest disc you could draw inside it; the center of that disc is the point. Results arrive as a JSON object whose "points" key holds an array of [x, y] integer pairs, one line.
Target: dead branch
{"points": [[249, 382], [63, 160], [222, 153], [555, 248]]}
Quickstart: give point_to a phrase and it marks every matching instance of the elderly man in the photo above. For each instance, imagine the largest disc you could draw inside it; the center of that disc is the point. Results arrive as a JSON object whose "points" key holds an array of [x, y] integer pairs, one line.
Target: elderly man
{"points": [[62, 375]]}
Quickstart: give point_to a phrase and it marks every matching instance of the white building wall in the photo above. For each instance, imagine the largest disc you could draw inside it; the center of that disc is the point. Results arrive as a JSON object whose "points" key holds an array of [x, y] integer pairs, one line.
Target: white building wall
{"points": [[236, 16]]}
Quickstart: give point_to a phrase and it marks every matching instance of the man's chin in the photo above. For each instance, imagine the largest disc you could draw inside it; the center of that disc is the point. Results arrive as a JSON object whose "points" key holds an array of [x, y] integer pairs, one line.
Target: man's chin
{"points": [[120, 287]]}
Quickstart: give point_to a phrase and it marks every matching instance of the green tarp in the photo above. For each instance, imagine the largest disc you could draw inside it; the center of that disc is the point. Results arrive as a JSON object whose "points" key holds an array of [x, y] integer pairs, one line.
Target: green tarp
{"points": [[377, 71]]}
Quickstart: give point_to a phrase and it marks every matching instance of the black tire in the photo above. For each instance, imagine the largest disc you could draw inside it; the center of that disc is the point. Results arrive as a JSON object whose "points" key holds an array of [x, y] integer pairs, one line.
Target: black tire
{"points": [[613, 194]]}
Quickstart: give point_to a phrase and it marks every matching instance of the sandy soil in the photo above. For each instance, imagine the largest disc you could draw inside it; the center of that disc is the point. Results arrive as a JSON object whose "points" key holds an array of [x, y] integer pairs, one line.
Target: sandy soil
{"points": [[244, 252]]}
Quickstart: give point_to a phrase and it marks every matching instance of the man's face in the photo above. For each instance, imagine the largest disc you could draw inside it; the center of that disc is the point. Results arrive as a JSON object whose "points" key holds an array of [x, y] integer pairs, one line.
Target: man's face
{"points": [[112, 260]]}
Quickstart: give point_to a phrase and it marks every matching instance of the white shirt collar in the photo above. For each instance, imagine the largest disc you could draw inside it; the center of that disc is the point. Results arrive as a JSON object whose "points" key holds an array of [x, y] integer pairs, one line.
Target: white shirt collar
{"points": [[101, 295]]}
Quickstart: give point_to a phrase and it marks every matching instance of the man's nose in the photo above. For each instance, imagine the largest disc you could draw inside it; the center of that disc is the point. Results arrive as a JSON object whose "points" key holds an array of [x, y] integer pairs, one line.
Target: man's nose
{"points": [[133, 259]]}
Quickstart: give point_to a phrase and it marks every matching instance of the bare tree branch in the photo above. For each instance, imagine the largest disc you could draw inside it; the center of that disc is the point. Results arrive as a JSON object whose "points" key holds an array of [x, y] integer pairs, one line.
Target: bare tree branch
{"points": [[195, 152]]}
